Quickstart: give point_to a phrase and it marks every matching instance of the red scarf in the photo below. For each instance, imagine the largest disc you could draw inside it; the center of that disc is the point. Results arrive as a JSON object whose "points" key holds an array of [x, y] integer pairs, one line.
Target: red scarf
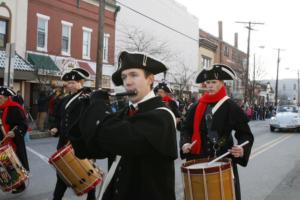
{"points": [[167, 99], [204, 100], [4, 107]]}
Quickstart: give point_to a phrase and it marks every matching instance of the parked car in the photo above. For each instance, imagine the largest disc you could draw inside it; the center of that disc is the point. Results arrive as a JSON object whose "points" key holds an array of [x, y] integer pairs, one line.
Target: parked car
{"points": [[287, 118]]}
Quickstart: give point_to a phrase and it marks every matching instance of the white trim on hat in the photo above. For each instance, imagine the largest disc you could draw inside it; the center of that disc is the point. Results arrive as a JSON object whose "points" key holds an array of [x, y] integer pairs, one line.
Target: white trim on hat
{"points": [[145, 54], [11, 92], [233, 75], [75, 69]]}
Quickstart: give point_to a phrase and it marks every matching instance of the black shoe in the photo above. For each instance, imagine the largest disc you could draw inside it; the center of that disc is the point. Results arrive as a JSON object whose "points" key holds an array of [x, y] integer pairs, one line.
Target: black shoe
{"points": [[19, 189]]}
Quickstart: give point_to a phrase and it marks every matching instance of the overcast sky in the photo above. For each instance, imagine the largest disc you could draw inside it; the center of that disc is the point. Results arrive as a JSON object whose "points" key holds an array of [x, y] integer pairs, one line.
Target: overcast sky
{"points": [[281, 29]]}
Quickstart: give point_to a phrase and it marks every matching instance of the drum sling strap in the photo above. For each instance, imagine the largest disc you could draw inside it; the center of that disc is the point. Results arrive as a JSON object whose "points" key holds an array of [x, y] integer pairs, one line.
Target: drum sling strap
{"points": [[213, 135]]}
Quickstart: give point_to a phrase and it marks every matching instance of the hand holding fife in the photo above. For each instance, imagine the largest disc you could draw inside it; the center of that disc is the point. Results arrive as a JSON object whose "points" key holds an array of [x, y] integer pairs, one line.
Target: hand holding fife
{"points": [[237, 151], [186, 148], [11, 134], [53, 131]]}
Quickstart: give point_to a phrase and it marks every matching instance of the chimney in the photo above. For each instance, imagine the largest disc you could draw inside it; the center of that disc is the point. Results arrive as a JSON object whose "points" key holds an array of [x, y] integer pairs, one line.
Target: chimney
{"points": [[236, 40], [220, 30]]}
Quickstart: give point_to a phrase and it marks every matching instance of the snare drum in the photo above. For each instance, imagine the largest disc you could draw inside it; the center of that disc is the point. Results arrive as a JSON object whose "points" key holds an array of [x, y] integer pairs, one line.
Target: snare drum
{"points": [[208, 182], [12, 173], [81, 175]]}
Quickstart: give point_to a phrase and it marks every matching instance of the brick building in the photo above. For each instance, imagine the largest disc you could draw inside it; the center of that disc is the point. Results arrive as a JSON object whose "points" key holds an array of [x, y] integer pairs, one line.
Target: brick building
{"points": [[63, 34], [214, 50]]}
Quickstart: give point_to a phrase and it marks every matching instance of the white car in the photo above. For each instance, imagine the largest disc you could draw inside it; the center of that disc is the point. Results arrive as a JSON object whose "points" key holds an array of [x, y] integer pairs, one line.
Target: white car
{"points": [[286, 118]]}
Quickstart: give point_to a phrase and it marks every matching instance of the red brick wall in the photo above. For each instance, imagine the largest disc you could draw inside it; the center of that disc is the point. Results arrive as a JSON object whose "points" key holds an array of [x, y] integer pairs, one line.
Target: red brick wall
{"points": [[85, 16]]}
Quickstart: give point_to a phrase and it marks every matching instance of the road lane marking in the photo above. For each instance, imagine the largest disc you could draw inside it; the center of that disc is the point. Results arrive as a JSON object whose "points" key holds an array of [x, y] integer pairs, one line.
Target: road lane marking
{"points": [[44, 158], [269, 145]]}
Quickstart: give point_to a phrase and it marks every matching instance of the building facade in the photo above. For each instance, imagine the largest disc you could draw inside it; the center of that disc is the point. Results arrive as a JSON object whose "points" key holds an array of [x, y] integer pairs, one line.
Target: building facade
{"points": [[164, 29], [13, 23], [63, 34], [213, 49]]}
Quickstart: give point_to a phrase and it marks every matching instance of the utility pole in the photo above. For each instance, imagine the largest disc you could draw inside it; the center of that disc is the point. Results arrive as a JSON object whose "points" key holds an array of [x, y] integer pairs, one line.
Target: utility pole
{"points": [[99, 65], [253, 87], [249, 27], [276, 85]]}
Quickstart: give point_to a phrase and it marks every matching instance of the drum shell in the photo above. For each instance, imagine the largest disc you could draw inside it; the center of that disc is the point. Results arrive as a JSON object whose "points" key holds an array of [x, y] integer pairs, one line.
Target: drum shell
{"points": [[80, 174], [208, 183], [15, 165]]}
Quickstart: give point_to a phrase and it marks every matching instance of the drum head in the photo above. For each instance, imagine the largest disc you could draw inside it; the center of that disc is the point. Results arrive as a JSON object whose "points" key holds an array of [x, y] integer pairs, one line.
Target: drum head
{"points": [[200, 166]]}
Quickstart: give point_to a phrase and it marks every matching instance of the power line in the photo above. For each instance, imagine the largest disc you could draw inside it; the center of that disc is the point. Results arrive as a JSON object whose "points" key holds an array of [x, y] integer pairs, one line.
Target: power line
{"points": [[158, 22]]}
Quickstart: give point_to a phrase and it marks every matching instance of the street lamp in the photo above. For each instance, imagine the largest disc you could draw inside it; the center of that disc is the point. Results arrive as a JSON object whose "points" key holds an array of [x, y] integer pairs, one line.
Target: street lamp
{"points": [[298, 83], [268, 92], [254, 74]]}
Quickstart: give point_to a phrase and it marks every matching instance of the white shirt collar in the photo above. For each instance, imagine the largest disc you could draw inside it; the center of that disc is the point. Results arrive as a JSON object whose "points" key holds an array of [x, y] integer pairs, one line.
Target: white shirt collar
{"points": [[147, 97]]}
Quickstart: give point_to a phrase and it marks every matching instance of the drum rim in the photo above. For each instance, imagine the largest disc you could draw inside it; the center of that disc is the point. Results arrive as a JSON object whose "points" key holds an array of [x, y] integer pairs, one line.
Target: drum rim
{"points": [[60, 153], [226, 165], [89, 188]]}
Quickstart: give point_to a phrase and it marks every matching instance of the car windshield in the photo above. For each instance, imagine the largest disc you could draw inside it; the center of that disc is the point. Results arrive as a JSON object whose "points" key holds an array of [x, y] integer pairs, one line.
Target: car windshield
{"points": [[287, 109]]}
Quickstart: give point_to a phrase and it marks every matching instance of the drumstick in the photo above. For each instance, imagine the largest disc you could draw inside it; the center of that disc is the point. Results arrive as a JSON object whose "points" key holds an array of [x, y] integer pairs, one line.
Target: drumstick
{"points": [[6, 136], [227, 153]]}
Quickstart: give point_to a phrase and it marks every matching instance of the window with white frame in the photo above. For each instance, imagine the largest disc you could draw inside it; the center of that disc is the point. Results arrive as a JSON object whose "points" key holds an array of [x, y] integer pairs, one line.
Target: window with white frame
{"points": [[206, 62], [86, 43], [66, 38], [42, 32], [105, 47]]}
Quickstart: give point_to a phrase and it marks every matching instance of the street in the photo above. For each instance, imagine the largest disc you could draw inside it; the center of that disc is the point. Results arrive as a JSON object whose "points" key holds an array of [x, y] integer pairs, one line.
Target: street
{"points": [[273, 172]]}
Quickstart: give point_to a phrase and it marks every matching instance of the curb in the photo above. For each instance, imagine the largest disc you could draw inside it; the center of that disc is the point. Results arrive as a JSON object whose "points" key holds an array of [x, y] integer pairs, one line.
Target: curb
{"points": [[38, 135]]}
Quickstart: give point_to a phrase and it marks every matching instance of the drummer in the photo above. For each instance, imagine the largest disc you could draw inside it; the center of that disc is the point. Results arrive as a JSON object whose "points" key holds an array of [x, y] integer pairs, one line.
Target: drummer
{"points": [[74, 80], [143, 134], [15, 127], [164, 91], [206, 131]]}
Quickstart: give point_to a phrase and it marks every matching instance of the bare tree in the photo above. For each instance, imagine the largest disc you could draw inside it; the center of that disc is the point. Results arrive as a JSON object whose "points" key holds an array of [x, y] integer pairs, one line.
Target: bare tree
{"points": [[135, 39], [183, 78]]}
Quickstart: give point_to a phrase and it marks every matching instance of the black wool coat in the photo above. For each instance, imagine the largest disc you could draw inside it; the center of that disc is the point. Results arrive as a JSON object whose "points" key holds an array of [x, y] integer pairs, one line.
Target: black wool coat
{"points": [[228, 118], [146, 142], [16, 118]]}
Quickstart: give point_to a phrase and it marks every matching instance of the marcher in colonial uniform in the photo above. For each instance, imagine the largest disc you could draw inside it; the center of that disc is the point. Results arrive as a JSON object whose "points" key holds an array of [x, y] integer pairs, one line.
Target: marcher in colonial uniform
{"points": [[14, 123], [206, 131], [75, 79], [143, 134], [164, 91]]}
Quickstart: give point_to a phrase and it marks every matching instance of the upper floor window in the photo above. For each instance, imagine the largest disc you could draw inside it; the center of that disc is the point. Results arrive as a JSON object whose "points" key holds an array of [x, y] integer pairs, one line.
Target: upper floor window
{"points": [[42, 32], [3, 33], [86, 43], [226, 51], [105, 47], [66, 38], [283, 87], [206, 62]]}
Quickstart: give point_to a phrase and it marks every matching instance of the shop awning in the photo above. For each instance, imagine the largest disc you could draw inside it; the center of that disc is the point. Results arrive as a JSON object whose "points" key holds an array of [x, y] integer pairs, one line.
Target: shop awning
{"points": [[42, 62], [87, 67]]}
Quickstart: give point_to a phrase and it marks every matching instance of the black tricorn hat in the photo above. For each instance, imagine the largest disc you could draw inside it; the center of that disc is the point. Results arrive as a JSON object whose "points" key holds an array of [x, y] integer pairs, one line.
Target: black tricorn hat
{"points": [[6, 92], [163, 86], [216, 72], [75, 74], [128, 60]]}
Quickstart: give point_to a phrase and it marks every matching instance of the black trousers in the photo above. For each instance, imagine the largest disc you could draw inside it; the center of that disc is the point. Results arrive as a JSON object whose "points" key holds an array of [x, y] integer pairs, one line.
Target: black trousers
{"points": [[61, 187]]}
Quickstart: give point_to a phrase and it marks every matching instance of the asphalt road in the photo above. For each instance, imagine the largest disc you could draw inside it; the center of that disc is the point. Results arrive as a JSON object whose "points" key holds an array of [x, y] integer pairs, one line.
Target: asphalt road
{"points": [[273, 172]]}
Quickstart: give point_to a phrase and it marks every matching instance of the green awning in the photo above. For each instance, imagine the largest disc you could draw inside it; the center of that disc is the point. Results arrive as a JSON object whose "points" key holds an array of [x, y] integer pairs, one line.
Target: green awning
{"points": [[42, 62]]}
